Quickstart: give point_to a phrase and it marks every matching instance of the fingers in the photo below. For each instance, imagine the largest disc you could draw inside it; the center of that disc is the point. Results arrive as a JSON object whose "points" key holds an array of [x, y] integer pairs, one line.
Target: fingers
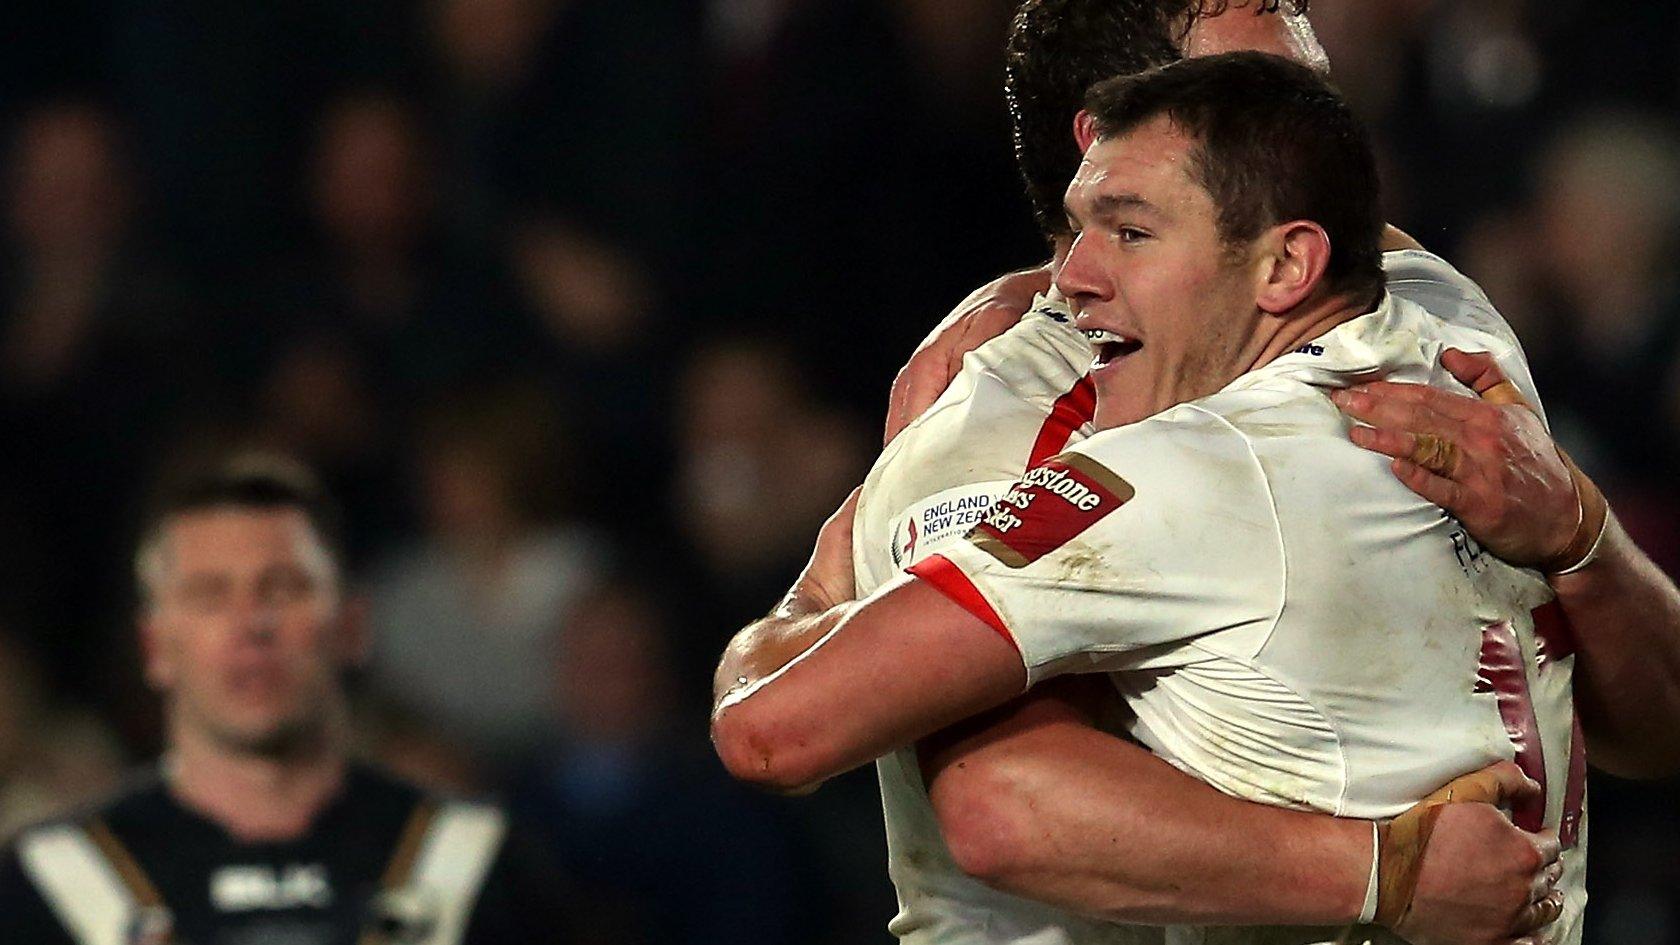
{"points": [[842, 517], [1383, 403], [1441, 491], [1437, 454], [1511, 786], [1397, 444], [1476, 370], [1543, 881], [1546, 842], [1538, 915]]}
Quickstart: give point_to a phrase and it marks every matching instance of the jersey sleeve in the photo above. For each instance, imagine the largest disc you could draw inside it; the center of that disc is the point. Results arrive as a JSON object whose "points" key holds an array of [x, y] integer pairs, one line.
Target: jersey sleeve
{"points": [[1118, 552], [1432, 282]]}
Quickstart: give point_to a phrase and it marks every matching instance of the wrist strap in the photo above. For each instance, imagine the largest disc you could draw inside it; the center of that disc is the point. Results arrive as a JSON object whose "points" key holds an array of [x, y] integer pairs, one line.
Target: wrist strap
{"points": [[1589, 530], [1368, 912]]}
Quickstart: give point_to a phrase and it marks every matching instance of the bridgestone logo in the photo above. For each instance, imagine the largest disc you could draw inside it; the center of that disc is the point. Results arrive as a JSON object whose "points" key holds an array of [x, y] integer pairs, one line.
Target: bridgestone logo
{"points": [[1050, 506]]}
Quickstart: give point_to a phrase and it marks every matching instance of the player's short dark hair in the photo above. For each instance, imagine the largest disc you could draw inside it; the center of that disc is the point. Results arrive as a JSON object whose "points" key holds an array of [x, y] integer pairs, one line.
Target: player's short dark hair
{"points": [[1058, 49], [256, 481], [1274, 142]]}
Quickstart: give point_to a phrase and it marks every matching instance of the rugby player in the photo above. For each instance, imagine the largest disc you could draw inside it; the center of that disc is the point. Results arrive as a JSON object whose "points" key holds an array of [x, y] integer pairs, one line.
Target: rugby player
{"points": [[1190, 851], [1493, 466], [256, 827], [755, 745], [1510, 487]]}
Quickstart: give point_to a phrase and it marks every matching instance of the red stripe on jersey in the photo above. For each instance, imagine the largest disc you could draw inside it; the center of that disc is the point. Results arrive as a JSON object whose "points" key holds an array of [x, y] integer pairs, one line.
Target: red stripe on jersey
{"points": [[1502, 671], [1551, 626], [948, 579], [1071, 411]]}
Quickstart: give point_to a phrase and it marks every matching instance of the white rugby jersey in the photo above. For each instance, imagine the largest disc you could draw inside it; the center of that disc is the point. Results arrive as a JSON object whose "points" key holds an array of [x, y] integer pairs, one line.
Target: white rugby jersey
{"points": [[1286, 620], [1216, 716], [1018, 400]]}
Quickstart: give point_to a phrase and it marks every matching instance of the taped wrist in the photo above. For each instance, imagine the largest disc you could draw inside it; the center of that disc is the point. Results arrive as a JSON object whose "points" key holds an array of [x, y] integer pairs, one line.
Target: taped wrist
{"points": [[1589, 530], [1594, 511], [1401, 842]]}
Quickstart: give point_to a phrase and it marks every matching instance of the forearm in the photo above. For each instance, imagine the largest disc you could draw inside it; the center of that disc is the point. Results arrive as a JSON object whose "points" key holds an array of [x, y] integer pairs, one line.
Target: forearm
{"points": [[766, 646], [1625, 614], [1043, 806], [804, 697]]}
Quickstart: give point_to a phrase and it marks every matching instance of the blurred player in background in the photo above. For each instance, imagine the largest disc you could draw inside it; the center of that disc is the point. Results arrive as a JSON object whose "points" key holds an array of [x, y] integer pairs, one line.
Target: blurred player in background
{"points": [[256, 827]]}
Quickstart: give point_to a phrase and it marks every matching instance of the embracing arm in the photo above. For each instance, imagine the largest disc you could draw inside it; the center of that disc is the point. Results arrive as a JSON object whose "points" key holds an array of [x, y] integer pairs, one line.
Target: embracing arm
{"points": [[1515, 491], [1626, 615], [825, 684], [1035, 801]]}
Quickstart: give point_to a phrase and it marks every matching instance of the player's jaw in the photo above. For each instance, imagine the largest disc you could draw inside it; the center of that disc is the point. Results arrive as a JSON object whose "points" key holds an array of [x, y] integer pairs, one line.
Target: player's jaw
{"points": [[1167, 305]]}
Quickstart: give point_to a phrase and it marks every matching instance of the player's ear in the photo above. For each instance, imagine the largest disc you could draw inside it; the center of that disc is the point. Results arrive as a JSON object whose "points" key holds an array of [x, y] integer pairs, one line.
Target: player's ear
{"points": [[1292, 260], [1084, 130]]}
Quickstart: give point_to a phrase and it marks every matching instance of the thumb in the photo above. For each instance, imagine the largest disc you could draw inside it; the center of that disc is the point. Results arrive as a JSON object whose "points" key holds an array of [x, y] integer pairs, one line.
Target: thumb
{"points": [[1475, 370], [1504, 785], [1501, 784]]}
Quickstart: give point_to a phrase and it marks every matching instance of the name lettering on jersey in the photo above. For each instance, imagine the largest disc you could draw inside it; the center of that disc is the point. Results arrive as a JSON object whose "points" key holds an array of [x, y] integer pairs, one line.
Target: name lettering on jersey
{"points": [[1316, 351], [925, 527], [1049, 507], [246, 888], [1471, 557]]}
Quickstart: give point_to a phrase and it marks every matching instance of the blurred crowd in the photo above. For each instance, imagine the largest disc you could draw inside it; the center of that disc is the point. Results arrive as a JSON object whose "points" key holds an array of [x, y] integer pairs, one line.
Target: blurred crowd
{"points": [[586, 310]]}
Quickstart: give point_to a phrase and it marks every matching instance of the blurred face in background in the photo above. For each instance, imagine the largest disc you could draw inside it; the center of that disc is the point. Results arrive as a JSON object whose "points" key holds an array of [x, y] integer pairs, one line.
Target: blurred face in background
{"points": [[68, 193], [613, 678], [371, 184], [245, 635]]}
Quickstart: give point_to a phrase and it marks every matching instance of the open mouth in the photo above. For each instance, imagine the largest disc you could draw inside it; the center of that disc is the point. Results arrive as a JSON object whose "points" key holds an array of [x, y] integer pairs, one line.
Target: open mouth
{"points": [[1110, 346]]}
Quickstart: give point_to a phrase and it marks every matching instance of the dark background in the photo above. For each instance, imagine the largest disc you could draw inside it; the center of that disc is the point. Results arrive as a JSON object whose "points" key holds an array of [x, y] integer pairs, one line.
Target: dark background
{"points": [[587, 310]]}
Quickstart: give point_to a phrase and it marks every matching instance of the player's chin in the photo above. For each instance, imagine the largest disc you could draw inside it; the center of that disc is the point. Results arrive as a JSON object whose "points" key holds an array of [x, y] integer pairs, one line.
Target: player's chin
{"points": [[1118, 403]]}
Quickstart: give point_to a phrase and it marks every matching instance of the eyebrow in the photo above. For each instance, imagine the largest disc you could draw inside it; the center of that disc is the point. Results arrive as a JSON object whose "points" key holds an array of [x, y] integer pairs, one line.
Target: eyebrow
{"points": [[1105, 206]]}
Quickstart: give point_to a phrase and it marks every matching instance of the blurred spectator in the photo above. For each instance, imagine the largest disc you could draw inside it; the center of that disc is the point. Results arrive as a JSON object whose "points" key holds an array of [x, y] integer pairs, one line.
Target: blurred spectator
{"points": [[383, 311], [1586, 272], [665, 846], [222, 97], [459, 614], [761, 467], [90, 331]]}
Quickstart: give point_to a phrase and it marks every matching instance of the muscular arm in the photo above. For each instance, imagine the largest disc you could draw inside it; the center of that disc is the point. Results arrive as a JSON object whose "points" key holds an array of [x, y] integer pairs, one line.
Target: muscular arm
{"points": [[1034, 800], [1512, 489], [1626, 616], [825, 684]]}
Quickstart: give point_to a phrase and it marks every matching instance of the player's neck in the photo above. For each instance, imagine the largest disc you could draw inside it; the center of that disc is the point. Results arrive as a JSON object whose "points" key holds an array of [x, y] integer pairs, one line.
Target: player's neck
{"points": [[256, 798], [1312, 319]]}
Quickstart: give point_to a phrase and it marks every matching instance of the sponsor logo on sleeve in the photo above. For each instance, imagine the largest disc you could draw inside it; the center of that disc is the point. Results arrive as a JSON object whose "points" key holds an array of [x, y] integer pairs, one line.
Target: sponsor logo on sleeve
{"points": [[1053, 504], [947, 515]]}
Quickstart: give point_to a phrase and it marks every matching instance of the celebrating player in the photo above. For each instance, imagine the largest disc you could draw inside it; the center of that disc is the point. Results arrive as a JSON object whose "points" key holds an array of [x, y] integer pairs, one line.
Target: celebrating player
{"points": [[1197, 474]]}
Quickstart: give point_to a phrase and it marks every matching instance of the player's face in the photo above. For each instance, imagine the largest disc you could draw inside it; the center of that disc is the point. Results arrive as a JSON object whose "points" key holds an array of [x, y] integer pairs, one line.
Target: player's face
{"points": [[1171, 303], [245, 633]]}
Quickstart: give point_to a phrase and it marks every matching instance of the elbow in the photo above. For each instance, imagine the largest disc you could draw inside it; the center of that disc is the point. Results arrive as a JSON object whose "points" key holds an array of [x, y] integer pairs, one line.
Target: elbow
{"points": [[984, 825], [766, 752]]}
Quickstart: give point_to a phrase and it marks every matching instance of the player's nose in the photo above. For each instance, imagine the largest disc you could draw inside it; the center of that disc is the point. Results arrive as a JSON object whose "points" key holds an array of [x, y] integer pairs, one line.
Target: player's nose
{"points": [[1081, 279]]}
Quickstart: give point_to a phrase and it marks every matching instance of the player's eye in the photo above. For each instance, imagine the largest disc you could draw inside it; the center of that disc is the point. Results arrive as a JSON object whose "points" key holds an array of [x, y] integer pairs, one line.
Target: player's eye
{"points": [[1131, 234]]}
